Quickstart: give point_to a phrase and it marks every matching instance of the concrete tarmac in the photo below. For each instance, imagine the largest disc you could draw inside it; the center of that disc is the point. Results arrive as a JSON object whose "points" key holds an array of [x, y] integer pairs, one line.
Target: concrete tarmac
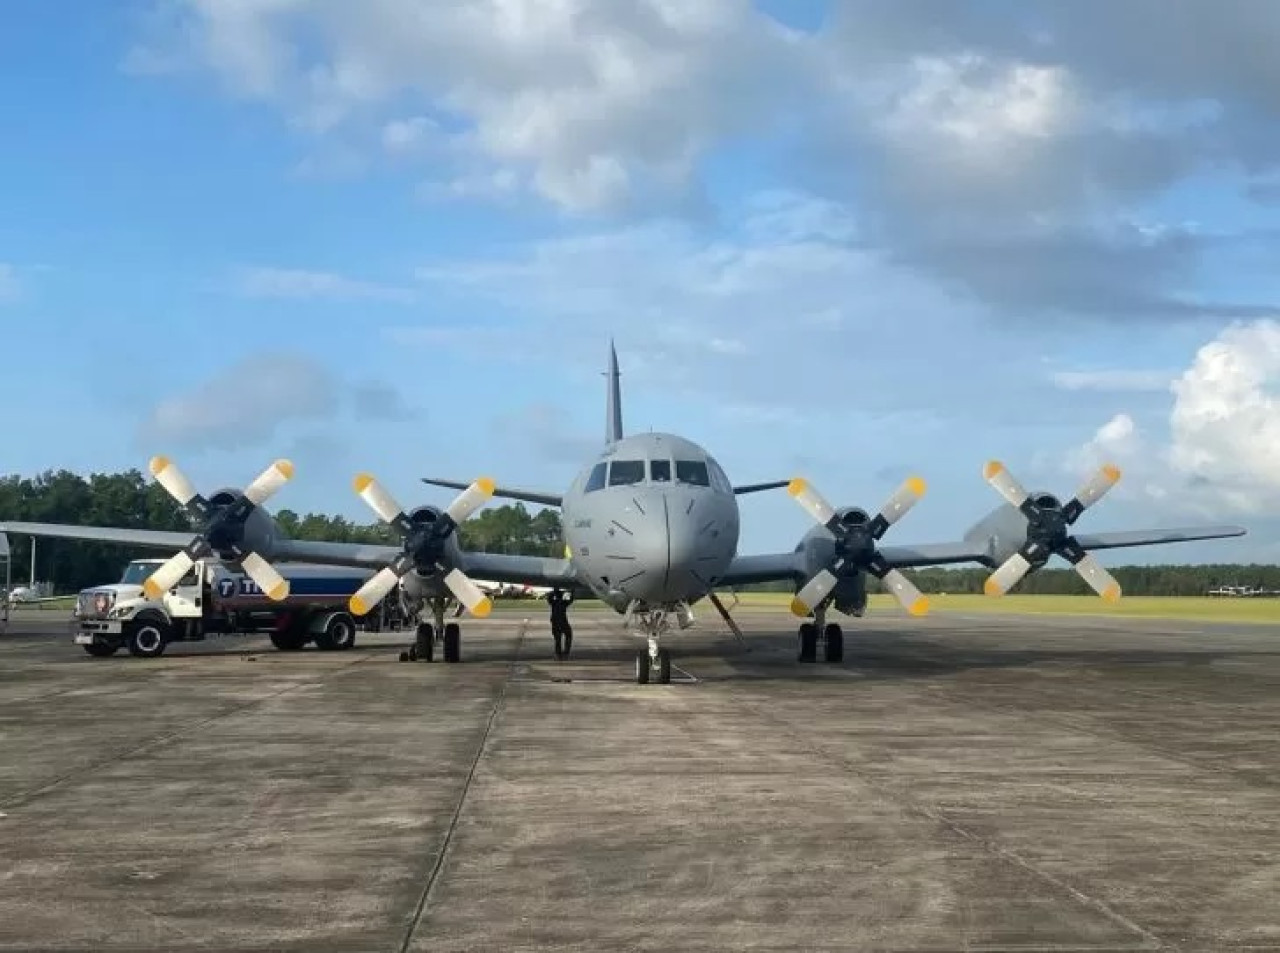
{"points": [[991, 783]]}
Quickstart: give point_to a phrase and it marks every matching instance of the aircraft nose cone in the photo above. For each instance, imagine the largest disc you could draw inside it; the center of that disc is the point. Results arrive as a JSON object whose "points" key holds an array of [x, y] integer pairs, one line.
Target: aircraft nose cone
{"points": [[667, 564]]}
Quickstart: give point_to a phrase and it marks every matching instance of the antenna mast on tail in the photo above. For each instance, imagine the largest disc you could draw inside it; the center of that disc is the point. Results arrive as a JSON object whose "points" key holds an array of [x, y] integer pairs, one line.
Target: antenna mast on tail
{"points": [[613, 422]]}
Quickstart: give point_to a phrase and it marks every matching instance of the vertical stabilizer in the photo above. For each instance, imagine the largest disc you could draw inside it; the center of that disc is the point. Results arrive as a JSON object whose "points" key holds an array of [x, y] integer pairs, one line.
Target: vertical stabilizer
{"points": [[613, 422]]}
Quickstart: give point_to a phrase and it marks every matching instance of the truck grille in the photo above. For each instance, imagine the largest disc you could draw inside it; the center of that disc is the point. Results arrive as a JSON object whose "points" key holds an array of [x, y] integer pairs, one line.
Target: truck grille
{"points": [[94, 605]]}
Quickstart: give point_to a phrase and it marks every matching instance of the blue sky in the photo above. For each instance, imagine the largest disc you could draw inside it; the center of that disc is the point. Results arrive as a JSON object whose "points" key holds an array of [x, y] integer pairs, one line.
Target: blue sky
{"points": [[852, 246]]}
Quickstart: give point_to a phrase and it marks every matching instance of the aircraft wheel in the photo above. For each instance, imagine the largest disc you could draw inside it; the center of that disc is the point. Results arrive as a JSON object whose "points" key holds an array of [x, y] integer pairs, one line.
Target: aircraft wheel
{"points": [[424, 646], [808, 642], [664, 666], [834, 642], [452, 642], [642, 668]]}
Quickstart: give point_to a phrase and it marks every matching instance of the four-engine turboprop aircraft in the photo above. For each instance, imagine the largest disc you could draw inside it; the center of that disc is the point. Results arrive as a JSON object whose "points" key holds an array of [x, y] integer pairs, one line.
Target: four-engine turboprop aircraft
{"points": [[651, 527]]}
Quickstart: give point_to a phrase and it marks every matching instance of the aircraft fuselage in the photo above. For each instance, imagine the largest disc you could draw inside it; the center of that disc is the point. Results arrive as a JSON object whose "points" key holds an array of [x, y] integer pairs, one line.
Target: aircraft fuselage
{"points": [[651, 523]]}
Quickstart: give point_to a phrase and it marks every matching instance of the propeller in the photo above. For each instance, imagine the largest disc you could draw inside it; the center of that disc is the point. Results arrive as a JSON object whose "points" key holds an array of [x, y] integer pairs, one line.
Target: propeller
{"points": [[423, 545], [855, 550], [1047, 533], [224, 528]]}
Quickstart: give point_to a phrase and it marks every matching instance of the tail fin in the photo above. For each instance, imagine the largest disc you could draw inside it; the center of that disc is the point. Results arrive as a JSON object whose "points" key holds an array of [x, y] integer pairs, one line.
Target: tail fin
{"points": [[613, 423]]}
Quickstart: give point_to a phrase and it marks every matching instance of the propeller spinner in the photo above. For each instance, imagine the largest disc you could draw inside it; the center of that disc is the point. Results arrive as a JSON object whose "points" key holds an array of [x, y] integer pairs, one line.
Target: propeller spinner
{"points": [[224, 528], [856, 546], [423, 545], [1047, 531]]}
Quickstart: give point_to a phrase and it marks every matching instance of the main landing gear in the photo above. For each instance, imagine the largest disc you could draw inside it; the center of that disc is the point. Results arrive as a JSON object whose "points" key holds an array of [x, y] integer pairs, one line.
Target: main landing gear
{"points": [[449, 635], [819, 630]]}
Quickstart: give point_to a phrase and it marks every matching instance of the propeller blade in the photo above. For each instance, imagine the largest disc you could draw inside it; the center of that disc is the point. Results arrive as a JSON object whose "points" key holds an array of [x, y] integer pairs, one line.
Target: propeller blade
{"points": [[1004, 483], [373, 591], [167, 576], [468, 593], [470, 500], [173, 480], [273, 585], [1007, 575], [1102, 481], [1099, 580], [905, 591], [814, 591], [380, 501], [897, 506], [812, 501], [268, 483]]}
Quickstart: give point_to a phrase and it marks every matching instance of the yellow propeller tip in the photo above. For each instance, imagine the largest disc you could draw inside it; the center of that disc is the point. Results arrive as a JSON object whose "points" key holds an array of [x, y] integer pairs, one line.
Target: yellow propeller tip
{"points": [[158, 464], [1112, 471], [799, 608], [797, 486], [992, 468], [486, 485], [362, 482], [279, 591], [285, 467], [151, 590], [919, 607], [992, 588], [916, 485], [1111, 594], [482, 608], [357, 606]]}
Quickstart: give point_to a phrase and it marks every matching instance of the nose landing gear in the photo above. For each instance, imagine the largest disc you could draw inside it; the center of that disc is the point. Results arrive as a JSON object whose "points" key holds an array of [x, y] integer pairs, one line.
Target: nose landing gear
{"points": [[652, 624]]}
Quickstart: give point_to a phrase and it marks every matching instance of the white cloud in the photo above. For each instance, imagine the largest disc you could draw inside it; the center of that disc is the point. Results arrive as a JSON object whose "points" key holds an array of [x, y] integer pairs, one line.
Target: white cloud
{"points": [[250, 402], [1114, 380], [1221, 448], [258, 282]]}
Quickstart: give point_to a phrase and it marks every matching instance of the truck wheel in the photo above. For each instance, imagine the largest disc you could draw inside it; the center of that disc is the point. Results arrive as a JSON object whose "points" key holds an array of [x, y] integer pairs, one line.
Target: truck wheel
{"points": [[288, 641], [147, 639], [102, 649], [339, 633]]}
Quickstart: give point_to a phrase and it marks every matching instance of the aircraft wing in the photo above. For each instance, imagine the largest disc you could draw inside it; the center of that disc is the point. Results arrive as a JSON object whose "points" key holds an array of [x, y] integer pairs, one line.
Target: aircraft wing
{"points": [[149, 538], [506, 492], [521, 570], [757, 487], [764, 567], [1151, 537], [775, 567], [935, 554]]}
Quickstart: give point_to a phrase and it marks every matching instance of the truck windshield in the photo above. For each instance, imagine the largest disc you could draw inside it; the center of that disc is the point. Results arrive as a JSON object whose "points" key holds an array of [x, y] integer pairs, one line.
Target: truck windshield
{"points": [[136, 573]]}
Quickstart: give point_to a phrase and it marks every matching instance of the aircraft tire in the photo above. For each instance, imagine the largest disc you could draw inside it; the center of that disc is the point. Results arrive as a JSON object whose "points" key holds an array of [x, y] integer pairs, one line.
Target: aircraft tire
{"points": [[834, 642], [452, 642], [808, 643], [424, 644], [664, 666], [642, 668]]}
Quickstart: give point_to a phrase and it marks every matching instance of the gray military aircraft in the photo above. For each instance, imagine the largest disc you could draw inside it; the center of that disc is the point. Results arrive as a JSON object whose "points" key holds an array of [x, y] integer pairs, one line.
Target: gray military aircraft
{"points": [[651, 527]]}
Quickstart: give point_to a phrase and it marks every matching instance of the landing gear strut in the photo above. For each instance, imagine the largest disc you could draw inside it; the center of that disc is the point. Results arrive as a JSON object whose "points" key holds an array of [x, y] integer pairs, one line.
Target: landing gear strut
{"points": [[654, 663], [819, 630], [424, 644]]}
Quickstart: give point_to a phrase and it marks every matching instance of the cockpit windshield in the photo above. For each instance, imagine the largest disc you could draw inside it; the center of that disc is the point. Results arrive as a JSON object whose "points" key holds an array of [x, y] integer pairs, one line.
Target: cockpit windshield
{"points": [[626, 472], [692, 473]]}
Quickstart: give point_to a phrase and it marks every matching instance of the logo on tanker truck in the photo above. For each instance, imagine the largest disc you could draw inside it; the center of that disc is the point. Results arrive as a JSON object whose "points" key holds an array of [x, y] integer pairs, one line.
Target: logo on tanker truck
{"points": [[229, 586]]}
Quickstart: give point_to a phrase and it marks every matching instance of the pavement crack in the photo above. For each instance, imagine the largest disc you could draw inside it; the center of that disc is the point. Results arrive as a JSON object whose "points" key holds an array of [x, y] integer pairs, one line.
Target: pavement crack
{"points": [[433, 877]]}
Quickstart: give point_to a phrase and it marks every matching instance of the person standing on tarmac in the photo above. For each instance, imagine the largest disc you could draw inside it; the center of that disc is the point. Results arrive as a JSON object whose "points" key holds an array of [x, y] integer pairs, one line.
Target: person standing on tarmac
{"points": [[561, 630]]}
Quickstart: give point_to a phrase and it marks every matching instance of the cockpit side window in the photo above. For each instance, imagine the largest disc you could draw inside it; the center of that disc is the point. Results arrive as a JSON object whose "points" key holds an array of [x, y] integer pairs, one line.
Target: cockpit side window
{"points": [[692, 472], [596, 480], [626, 472], [719, 482], [660, 471]]}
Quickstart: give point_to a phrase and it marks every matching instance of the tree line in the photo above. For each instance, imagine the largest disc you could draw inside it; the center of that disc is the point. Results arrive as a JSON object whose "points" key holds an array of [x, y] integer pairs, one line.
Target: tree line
{"points": [[130, 499]]}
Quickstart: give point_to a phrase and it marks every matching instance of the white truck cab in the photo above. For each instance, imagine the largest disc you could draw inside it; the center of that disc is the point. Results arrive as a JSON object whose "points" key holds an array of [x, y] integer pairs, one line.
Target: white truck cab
{"points": [[213, 599]]}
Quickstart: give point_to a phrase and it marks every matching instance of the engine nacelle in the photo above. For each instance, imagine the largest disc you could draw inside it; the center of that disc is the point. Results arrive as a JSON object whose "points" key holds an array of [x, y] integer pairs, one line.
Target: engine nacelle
{"points": [[260, 530], [424, 515], [1046, 501], [853, 516]]}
